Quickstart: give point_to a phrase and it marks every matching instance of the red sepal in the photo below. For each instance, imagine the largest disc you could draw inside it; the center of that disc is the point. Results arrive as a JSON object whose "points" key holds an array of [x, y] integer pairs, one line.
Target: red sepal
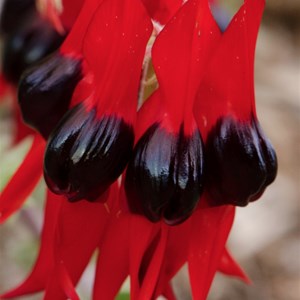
{"points": [[23, 181]]}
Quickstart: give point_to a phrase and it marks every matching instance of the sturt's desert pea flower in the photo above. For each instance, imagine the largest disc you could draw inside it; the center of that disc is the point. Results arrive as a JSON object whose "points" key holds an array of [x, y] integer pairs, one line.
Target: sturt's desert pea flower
{"points": [[169, 207], [240, 160]]}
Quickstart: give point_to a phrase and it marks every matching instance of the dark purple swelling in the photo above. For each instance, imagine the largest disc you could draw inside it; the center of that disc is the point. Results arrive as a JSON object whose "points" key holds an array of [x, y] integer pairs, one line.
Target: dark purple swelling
{"points": [[45, 91], [34, 39], [165, 177], [85, 154], [241, 162], [13, 13]]}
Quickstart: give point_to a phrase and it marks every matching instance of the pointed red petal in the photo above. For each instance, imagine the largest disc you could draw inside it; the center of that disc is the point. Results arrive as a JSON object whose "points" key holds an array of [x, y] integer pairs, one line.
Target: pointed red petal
{"points": [[113, 259], [210, 229], [37, 279], [180, 54], [142, 233], [60, 284], [23, 181], [155, 262], [114, 49], [80, 227], [176, 254], [230, 267], [168, 292]]}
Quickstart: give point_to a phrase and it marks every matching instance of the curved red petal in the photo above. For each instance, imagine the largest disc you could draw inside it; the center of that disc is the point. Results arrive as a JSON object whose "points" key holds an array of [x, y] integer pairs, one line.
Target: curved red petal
{"points": [[80, 227], [23, 181], [71, 10], [180, 54], [74, 41], [154, 264], [37, 279], [176, 255], [230, 267], [141, 234], [209, 233], [232, 89], [113, 260], [168, 292], [114, 48], [60, 284]]}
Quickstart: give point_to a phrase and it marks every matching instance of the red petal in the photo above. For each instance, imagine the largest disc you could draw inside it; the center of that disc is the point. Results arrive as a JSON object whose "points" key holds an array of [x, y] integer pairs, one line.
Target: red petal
{"points": [[210, 229], [74, 41], [154, 264], [168, 292], [114, 49], [175, 256], [113, 259], [142, 233], [60, 284], [81, 225], [37, 279], [229, 80], [180, 55], [230, 267], [23, 181]]}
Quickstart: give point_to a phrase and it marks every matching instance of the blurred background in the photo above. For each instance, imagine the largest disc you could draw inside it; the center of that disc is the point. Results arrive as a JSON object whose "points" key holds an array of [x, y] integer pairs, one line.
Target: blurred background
{"points": [[266, 235]]}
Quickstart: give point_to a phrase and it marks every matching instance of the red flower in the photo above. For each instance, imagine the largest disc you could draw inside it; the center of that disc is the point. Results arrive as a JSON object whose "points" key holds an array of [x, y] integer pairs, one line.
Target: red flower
{"points": [[202, 76]]}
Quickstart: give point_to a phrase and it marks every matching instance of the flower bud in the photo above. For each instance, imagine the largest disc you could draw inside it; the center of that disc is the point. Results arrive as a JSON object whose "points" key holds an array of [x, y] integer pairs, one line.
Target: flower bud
{"points": [[45, 91], [241, 162], [165, 177], [85, 154]]}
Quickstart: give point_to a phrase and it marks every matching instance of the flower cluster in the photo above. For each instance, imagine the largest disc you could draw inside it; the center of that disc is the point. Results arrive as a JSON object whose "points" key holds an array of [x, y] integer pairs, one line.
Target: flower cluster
{"points": [[152, 188]]}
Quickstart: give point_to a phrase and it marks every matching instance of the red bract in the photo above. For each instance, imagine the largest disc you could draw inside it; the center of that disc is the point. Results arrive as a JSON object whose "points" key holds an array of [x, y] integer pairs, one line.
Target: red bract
{"points": [[202, 76]]}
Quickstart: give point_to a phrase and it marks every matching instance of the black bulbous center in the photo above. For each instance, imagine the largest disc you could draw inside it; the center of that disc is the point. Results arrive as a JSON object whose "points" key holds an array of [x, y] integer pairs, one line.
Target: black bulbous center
{"points": [[85, 154], [164, 178], [33, 39], [13, 13], [240, 162], [45, 91]]}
